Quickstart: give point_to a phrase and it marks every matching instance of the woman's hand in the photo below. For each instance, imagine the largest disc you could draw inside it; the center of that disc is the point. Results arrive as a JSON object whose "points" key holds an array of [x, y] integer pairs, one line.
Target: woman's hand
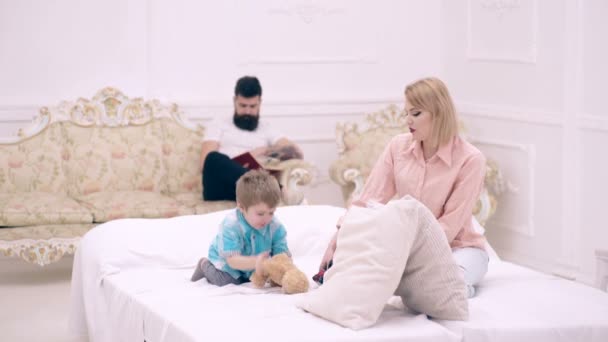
{"points": [[329, 252]]}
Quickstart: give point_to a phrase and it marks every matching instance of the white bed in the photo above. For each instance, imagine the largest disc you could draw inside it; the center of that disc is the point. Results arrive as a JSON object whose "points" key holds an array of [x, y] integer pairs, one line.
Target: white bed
{"points": [[130, 282]]}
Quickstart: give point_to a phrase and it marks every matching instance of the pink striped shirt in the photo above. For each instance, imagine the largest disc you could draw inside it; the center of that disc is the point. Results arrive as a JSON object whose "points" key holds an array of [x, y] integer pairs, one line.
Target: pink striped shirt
{"points": [[449, 183]]}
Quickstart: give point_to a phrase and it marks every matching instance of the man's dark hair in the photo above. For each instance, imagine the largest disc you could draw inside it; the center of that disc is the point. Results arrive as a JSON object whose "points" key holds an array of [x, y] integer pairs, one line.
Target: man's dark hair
{"points": [[248, 86]]}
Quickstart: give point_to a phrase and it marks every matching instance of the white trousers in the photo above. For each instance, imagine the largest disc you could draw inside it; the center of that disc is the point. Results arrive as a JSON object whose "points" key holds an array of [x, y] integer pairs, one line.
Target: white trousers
{"points": [[474, 264]]}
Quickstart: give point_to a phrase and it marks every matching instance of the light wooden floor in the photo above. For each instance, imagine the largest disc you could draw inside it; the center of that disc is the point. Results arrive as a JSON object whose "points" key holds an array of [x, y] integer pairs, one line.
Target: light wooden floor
{"points": [[34, 301]]}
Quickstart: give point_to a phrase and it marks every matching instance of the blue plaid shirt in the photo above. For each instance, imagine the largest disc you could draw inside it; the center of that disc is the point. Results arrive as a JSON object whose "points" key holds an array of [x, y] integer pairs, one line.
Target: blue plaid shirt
{"points": [[237, 237]]}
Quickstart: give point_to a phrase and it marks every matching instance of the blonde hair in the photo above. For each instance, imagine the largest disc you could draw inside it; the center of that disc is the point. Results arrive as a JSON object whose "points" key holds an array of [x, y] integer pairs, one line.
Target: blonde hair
{"points": [[258, 186], [432, 95]]}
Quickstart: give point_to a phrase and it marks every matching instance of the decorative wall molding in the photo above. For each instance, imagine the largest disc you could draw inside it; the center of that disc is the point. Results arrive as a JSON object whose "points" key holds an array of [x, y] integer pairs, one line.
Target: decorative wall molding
{"points": [[593, 122], [288, 109], [525, 228], [320, 60], [502, 30], [307, 11], [23, 113], [315, 34], [500, 7], [496, 112]]}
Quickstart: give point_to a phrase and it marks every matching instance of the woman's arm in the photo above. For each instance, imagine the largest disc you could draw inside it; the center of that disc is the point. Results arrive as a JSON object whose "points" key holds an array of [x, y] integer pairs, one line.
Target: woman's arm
{"points": [[459, 205], [379, 187], [329, 252], [380, 184]]}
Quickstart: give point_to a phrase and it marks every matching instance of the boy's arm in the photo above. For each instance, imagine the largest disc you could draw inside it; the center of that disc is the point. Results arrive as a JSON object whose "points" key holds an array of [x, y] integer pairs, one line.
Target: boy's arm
{"points": [[246, 263], [279, 242]]}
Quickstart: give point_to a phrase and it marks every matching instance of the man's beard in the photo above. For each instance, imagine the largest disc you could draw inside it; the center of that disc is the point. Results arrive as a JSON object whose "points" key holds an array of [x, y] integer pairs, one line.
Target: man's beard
{"points": [[246, 121]]}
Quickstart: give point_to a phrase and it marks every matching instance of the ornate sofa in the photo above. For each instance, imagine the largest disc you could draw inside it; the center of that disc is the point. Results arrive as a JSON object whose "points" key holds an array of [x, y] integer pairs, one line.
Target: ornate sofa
{"points": [[358, 150], [86, 162]]}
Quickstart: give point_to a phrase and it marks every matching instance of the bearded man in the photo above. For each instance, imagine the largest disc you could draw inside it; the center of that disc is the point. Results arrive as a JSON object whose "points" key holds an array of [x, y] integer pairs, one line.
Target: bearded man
{"points": [[228, 138]]}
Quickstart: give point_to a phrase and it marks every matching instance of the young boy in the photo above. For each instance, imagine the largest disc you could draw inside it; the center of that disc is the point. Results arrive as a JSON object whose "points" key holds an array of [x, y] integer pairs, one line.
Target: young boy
{"points": [[248, 235]]}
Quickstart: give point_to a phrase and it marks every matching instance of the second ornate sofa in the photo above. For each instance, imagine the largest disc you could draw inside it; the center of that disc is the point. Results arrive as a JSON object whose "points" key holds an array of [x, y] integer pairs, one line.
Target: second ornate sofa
{"points": [[85, 162]]}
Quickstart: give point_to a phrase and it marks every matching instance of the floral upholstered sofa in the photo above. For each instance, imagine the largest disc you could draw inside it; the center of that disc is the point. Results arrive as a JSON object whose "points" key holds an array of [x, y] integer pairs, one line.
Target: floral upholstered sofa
{"points": [[358, 150], [85, 162]]}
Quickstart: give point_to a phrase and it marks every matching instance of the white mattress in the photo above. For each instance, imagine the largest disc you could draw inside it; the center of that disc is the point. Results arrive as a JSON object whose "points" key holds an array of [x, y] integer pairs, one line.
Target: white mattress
{"points": [[166, 306], [514, 303], [131, 282]]}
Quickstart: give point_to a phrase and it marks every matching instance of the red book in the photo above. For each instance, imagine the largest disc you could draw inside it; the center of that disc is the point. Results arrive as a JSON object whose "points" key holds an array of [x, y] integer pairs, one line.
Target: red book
{"points": [[250, 162]]}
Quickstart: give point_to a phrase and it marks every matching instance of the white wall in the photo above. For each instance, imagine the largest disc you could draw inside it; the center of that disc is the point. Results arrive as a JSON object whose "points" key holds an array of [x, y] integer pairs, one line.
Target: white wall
{"points": [[526, 75]]}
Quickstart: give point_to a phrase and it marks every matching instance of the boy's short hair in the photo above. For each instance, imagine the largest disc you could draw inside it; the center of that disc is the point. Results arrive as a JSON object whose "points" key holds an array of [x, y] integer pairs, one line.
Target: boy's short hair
{"points": [[258, 186]]}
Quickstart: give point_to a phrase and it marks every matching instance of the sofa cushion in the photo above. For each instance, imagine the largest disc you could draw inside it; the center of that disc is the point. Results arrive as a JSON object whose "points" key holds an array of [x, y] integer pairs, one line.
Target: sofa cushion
{"points": [[33, 164], [114, 158], [107, 206], [181, 157], [39, 208]]}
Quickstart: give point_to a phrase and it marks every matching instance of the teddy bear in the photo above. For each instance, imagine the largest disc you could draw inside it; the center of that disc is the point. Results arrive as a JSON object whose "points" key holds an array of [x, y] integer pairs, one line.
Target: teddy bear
{"points": [[281, 271]]}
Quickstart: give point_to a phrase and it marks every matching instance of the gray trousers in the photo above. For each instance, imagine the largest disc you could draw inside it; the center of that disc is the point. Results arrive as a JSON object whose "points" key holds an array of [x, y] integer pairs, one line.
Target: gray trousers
{"points": [[218, 277]]}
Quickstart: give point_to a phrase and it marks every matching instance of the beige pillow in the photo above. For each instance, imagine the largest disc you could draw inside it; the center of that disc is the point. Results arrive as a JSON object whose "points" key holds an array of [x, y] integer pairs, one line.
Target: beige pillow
{"points": [[374, 246], [433, 283]]}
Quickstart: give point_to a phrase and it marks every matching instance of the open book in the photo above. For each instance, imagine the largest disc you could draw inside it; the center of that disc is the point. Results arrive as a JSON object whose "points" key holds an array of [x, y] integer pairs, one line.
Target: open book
{"points": [[270, 161], [248, 161]]}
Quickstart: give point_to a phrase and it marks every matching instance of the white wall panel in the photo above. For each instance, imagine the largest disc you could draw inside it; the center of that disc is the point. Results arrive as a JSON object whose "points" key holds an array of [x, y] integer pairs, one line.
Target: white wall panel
{"points": [[595, 44], [528, 217], [594, 187], [302, 50], [536, 103], [502, 30], [51, 50], [479, 70]]}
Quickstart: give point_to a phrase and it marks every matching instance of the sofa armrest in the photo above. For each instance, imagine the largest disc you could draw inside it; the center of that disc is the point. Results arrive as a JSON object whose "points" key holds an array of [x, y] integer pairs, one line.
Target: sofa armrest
{"points": [[349, 177], [294, 175], [494, 185]]}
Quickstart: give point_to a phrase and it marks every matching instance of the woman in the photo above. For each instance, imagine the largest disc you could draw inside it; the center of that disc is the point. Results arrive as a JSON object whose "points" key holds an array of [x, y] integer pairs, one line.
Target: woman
{"points": [[436, 166]]}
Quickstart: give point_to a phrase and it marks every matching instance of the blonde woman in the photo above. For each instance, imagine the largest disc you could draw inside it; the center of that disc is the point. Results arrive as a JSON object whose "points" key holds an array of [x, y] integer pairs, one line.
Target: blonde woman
{"points": [[433, 164]]}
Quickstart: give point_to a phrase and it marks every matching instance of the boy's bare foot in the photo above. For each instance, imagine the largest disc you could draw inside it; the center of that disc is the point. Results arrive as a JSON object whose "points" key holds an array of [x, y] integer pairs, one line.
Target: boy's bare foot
{"points": [[198, 270]]}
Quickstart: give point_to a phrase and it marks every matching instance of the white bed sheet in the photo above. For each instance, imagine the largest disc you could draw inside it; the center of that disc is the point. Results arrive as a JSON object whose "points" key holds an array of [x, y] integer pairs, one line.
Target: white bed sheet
{"points": [[173, 309], [515, 303], [130, 282]]}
